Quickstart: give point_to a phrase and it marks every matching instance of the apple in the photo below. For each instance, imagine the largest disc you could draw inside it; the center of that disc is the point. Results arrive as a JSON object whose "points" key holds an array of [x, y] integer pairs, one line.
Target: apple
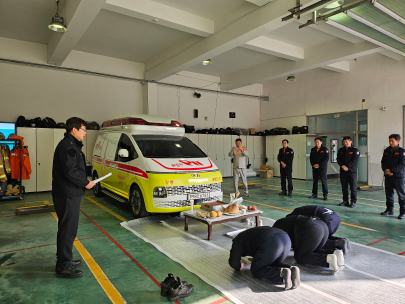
{"points": [[250, 208], [254, 208]]}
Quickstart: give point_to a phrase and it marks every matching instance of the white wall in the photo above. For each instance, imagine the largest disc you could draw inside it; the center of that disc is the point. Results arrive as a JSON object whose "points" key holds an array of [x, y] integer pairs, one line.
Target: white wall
{"points": [[247, 109], [34, 91], [378, 79]]}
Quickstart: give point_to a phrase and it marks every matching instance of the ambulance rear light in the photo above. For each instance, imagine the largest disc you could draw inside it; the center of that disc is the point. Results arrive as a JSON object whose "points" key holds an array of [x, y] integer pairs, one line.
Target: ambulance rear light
{"points": [[139, 121]]}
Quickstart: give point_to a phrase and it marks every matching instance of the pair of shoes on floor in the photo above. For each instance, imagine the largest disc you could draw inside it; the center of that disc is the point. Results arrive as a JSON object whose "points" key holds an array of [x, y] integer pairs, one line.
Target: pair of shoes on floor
{"points": [[175, 289], [336, 261], [70, 272], [387, 212], [325, 197], [344, 245], [291, 277]]}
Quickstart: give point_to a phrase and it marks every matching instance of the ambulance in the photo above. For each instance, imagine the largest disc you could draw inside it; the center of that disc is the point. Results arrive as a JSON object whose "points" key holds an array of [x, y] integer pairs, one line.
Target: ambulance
{"points": [[154, 167]]}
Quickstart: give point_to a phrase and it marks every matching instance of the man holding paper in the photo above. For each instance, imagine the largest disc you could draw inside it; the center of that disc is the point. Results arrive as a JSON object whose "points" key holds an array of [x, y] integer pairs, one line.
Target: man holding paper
{"points": [[69, 182]]}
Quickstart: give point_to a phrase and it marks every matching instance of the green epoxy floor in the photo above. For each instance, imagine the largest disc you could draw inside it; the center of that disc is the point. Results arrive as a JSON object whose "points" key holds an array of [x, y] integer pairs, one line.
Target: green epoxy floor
{"points": [[27, 245]]}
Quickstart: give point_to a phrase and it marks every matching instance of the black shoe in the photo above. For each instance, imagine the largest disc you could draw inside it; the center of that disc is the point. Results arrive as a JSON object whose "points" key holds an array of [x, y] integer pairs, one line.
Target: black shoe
{"points": [[344, 203], [401, 216], [352, 204], [344, 244], [289, 193], [179, 289], [70, 272], [165, 285], [387, 212], [325, 197], [313, 196], [283, 193], [76, 263]]}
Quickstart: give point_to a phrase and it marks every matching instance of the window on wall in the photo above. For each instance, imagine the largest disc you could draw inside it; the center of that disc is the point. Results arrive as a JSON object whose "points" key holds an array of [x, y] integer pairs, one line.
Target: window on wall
{"points": [[344, 122]]}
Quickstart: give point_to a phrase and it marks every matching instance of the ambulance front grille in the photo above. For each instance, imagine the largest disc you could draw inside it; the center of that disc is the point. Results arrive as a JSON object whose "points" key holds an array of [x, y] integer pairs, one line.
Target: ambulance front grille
{"points": [[183, 190], [179, 204]]}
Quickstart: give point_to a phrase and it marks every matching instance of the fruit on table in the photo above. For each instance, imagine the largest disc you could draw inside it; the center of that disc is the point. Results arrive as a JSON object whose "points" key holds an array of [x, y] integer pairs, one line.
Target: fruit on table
{"points": [[219, 213], [213, 214], [254, 208], [249, 207]]}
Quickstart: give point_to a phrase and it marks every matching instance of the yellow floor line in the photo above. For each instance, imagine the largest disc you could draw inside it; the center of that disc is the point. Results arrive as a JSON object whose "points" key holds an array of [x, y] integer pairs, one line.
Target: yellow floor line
{"points": [[111, 292], [21, 203], [274, 207], [106, 209]]}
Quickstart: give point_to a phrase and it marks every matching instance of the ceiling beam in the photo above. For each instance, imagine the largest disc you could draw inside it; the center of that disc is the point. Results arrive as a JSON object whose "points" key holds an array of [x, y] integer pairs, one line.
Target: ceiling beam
{"points": [[167, 16], [78, 15], [339, 67], [315, 57], [392, 55], [258, 2], [255, 24], [276, 48]]}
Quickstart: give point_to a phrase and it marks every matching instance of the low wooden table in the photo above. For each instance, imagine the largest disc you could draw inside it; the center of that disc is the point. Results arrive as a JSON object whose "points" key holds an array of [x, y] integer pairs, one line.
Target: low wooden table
{"points": [[223, 219]]}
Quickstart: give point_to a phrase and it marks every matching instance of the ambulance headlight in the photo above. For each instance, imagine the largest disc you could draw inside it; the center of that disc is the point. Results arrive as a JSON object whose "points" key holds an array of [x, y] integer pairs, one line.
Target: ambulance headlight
{"points": [[160, 192]]}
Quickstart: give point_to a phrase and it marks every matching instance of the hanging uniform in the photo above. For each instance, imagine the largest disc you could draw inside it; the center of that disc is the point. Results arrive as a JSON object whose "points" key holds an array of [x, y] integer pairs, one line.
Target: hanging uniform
{"points": [[286, 156], [394, 159], [15, 163], [3, 167], [321, 157], [349, 158]]}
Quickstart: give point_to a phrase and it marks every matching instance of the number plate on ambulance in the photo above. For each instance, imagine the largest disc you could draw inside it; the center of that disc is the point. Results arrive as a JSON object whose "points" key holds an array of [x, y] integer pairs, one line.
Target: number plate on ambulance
{"points": [[194, 196]]}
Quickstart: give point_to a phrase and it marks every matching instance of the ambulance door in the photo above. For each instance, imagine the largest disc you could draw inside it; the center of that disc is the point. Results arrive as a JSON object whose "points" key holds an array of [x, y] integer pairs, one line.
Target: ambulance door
{"points": [[109, 165], [125, 168]]}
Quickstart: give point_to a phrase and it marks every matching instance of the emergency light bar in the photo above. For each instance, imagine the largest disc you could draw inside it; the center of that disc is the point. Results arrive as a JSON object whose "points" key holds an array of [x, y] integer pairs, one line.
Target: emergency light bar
{"points": [[138, 121]]}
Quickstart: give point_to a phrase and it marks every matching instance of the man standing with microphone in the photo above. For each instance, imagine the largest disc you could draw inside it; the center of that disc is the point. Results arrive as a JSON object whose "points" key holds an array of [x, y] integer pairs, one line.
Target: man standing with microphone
{"points": [[68, 186], [239, 165]]}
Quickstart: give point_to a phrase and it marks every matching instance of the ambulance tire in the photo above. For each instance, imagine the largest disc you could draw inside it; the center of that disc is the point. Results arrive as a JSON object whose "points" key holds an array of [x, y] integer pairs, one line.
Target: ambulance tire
{"points": [[137, 202], [97, 187]]}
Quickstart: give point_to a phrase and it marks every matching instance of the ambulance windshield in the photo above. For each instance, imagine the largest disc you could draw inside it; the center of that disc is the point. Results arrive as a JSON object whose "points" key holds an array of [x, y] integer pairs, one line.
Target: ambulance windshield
{"points": [[161, 146]]}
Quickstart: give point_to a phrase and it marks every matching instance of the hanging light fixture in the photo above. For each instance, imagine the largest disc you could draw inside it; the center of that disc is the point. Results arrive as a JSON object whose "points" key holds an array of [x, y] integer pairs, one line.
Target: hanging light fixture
{"points": [[335, 4], [57, 23], [291, 78], [207, 62]]}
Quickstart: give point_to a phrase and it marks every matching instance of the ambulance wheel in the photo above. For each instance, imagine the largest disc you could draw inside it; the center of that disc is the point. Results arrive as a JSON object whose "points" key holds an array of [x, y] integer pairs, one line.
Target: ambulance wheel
{"points": [[97, 187], [137, 202]]}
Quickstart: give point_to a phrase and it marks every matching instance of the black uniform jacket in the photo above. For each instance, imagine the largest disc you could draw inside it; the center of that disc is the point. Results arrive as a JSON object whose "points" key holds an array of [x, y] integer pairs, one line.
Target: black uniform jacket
{"points": [[286, 158], [395, 161], [320, 157], [248, 242], [294, 225], [69, 168], [348, 158], [328, 216]]}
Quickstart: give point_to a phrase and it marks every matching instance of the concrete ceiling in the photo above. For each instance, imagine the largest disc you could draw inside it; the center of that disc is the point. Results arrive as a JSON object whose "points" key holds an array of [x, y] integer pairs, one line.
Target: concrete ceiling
{"points": [[27, 20], [231, 61], [123, 37], [253, 45], [210, 9]]}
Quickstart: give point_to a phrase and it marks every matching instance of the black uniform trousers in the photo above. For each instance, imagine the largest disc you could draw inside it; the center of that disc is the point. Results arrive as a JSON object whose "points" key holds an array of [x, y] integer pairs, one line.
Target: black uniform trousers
{"points": [[285, 174], [310, 247], [392, 183], [269, 258], [322, 174], [349, 178], [68, 210], [332, 221]]}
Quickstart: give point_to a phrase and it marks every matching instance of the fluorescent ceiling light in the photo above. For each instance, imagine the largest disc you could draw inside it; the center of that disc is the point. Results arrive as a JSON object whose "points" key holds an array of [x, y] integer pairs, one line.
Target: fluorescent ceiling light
{"points": [[360, 35], [388, 11], [376, 27], [335, 4], [207, 62]]}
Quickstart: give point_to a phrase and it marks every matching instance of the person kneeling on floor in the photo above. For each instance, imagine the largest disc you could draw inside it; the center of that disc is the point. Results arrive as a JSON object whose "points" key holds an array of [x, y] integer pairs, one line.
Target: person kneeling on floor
{"points": [[332, 221], [308, 237], [269, 247]]}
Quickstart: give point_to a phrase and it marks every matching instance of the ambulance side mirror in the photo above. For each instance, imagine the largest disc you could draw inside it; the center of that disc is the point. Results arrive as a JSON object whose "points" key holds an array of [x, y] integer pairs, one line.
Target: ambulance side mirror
{"points": [[123, 153]]}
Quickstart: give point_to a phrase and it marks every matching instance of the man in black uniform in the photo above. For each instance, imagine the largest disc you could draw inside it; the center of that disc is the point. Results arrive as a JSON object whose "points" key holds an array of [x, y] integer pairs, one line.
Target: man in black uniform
{"points": [[308, 236], [332, 221], [319, 161], [348, 158], [269, 247], [393, 165], [285, 158], [68, 186]]}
